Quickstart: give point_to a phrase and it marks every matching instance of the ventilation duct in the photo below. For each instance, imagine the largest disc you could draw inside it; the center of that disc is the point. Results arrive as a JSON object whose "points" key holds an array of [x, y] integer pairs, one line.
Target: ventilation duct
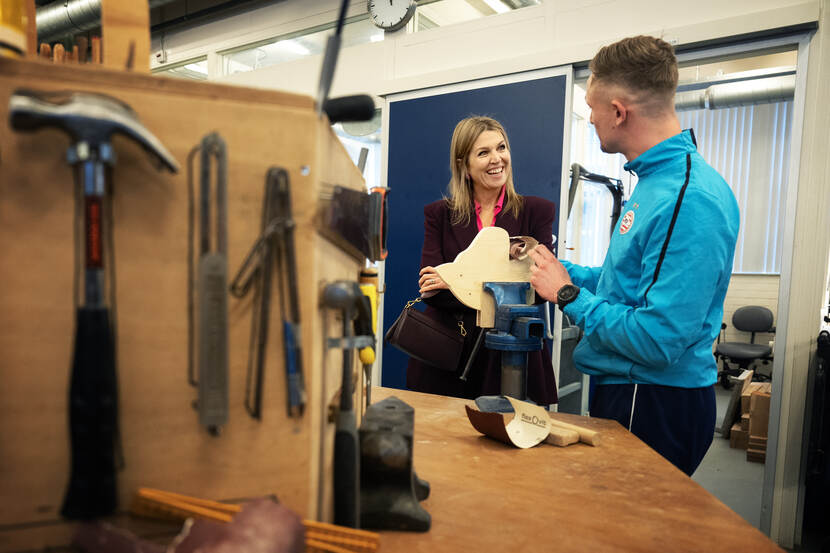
{"points": [[741, 93], [69, 17]]}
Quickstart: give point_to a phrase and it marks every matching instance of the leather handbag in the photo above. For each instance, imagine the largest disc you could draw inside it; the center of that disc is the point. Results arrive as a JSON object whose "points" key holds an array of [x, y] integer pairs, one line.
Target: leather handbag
{"points": [[428, 340]]}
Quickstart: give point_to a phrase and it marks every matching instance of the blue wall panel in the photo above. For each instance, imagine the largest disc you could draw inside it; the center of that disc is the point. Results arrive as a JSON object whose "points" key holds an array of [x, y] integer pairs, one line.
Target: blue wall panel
{"points": [[420, 131]]}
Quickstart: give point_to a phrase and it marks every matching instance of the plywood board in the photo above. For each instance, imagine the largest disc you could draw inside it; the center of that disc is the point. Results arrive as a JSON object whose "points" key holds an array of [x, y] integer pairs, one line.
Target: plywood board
{"points": [[486, 259], [164, 447]]}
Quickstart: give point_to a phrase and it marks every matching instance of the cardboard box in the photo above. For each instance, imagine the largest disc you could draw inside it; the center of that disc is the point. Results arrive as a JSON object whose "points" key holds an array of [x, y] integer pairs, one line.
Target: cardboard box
{"points": [[738, 438]]}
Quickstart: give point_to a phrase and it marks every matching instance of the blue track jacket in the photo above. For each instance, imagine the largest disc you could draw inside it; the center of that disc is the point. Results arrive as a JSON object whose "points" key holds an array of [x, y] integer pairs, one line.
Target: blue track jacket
{"points": [[651, 313]]}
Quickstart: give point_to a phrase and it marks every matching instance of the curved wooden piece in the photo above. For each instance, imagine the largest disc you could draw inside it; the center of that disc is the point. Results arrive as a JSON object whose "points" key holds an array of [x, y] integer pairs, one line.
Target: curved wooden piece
{"points": [[486, 259]]}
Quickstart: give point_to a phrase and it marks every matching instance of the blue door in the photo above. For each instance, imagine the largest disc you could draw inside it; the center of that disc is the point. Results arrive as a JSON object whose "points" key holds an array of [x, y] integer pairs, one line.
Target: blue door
{"points": [[418, 169]]}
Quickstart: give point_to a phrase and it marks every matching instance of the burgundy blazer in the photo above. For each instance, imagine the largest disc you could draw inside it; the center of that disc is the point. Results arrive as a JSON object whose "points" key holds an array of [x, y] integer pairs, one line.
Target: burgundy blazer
{"points": [[443, 241]]}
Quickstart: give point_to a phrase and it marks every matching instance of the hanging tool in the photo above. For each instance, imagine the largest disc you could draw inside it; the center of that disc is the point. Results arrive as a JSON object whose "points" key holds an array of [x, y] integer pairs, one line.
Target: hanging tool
{"points": [[90, 120], [211, 285], [345, 296], [614, 186], [274, 247], [359, 107], [355, 221], [330, 58], [366, 324]]}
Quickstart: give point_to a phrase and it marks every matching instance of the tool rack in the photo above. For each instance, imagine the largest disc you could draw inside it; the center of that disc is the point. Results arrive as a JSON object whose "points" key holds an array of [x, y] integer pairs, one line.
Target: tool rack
{"points": [[163, 444]]}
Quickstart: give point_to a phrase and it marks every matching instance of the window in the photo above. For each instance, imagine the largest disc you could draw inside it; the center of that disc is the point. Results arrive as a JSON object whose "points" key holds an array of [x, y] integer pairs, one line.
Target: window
{"points": [[743, 132], [750, 147], [195, 69], [359, 30], [294, 46]]}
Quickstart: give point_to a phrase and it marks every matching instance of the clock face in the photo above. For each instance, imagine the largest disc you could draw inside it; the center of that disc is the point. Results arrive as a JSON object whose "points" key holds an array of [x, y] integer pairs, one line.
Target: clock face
{"points": [[391, 15]]}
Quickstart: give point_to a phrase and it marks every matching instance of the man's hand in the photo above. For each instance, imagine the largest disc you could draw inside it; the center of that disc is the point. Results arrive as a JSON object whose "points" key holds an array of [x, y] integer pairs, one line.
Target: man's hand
{"points": [[547, 274]]}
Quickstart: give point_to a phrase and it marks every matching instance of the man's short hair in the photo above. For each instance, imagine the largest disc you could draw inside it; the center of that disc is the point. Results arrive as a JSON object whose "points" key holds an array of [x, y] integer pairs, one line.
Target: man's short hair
{"points": [[640, 64]]}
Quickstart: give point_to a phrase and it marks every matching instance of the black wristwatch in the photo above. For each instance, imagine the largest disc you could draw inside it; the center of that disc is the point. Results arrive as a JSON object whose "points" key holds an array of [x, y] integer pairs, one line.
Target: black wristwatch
{"points": [[566, 295]]}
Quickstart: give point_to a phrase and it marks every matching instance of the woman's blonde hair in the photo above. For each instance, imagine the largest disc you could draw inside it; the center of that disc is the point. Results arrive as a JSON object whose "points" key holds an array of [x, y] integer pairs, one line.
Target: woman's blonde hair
{"points": [[460, 186]]}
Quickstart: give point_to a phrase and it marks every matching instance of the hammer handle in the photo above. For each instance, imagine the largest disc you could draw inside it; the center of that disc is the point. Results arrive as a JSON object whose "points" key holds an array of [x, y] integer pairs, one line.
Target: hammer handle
{"points": [[93, 418]]}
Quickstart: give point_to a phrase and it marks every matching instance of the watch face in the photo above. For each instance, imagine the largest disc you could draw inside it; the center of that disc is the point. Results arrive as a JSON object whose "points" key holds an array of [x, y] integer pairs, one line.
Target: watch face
{"points": [[567, 293], [391, 15]]}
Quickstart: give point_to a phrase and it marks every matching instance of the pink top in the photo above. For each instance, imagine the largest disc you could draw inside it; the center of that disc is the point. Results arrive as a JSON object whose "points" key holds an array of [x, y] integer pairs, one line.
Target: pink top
{"points": [[496, 210]]}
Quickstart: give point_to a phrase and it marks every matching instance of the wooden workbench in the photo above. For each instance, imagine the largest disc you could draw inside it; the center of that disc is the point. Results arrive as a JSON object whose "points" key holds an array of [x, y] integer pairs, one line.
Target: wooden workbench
{"points": [[619, 496]]}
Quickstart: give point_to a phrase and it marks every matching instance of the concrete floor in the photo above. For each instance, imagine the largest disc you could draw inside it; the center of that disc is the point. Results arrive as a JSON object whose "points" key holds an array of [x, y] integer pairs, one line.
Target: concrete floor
{"points": [[726, 474]]}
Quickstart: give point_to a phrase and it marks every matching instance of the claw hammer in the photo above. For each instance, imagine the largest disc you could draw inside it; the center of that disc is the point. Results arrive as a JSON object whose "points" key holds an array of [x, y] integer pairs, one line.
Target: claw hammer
{"points": [[90, 120]]}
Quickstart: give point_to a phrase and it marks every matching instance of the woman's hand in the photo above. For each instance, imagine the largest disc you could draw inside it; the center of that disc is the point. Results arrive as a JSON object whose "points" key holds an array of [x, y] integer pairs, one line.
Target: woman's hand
{"points": [[429, 281]]}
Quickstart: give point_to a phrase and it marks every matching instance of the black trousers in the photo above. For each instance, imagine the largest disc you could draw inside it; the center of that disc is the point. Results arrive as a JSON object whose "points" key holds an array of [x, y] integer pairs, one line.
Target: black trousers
{"points": [[678, 423]]}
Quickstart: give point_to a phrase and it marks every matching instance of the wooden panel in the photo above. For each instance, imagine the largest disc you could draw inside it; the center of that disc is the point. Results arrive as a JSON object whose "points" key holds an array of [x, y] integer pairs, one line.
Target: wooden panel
{"points": [[126, 34], [164, 446], [31, 29], [619, 496]]}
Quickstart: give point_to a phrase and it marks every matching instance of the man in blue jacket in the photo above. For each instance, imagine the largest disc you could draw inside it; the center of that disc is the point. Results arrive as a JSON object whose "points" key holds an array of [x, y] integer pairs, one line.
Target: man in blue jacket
{"points": [[652, 311]]}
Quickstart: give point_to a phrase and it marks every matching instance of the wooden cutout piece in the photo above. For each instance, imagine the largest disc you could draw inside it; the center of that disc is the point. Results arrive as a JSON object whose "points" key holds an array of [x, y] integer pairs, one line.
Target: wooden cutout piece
{"points": [[562, 436], [486, 259], [529, 425], [586, 436]]}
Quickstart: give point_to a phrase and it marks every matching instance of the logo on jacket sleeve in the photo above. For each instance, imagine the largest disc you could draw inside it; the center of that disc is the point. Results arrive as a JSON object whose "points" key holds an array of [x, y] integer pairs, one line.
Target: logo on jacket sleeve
{"points": [[627, 221]]}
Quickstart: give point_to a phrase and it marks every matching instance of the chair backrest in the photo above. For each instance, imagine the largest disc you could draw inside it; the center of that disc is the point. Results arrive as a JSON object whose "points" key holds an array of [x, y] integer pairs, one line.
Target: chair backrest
{"points": [[752, 318]]}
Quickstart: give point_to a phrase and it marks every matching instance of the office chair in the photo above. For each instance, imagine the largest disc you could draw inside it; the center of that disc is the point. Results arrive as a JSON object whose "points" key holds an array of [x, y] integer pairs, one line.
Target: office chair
{"points": [[750, 318]]}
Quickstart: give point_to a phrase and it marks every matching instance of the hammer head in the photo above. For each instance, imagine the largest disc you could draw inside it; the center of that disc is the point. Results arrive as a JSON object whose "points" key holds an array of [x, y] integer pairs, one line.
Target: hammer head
{"points": [[343, 295], [86, 117]]}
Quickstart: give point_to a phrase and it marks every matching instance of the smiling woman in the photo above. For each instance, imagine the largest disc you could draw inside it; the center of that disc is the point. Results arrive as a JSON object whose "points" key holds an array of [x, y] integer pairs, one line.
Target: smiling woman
{"points": [[481, 194]]}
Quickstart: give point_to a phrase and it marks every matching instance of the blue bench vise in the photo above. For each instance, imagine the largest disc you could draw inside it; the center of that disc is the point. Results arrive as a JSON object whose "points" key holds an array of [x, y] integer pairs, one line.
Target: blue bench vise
{"points": [[519, 328]]}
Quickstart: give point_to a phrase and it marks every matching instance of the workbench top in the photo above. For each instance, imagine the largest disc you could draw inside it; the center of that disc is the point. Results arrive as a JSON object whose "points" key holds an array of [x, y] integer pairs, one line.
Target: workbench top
{"points": [[619, 496]]}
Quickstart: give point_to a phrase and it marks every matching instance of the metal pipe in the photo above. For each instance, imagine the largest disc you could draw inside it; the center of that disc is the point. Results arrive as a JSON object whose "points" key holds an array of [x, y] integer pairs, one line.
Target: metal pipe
{"points": [[741, 93], [67, 17]]}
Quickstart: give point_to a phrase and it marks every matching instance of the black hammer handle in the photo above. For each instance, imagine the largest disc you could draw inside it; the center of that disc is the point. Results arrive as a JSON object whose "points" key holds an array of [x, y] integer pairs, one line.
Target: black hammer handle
{"points": [[93, 416]]}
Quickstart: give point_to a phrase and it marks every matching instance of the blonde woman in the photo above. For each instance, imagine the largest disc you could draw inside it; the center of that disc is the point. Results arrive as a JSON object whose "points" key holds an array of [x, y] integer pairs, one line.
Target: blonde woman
{"points": [[481, 194]]}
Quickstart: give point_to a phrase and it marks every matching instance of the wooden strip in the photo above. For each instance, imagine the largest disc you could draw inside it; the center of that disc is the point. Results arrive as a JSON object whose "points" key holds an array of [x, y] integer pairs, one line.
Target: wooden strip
{"points": [[125, 26], [562, 436], [182, 508], [152, 493], [31, 29], [360, 546], [333, 528], [98, 76], [314, 545], [58, 53], [96, 50], [587, 436], [83, 48], [45, 51]]}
